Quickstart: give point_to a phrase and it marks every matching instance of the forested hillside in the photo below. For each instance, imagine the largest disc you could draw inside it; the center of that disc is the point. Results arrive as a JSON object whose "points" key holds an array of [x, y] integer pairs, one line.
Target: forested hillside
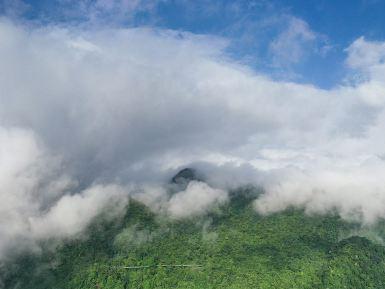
{"points": [[230, 247]]}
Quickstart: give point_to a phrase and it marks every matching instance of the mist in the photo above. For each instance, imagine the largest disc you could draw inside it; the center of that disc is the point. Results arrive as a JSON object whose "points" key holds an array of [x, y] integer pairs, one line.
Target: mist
{"points": [[90, 117]]}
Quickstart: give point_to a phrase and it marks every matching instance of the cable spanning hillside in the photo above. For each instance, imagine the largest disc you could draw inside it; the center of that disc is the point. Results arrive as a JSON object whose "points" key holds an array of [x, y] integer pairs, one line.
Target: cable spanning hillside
{"points": [[233, 246]]}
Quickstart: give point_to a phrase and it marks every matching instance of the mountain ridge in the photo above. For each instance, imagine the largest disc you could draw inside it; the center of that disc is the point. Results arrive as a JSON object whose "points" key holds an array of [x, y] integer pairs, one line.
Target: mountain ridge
{"points": [[230, 247]]}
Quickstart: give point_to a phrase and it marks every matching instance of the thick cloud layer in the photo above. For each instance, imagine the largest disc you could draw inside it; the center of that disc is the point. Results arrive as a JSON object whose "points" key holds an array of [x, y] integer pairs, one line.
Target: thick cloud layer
{"points": [[84, 113]]}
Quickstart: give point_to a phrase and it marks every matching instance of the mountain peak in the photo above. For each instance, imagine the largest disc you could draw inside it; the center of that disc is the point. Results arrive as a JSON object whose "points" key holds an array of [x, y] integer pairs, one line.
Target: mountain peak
{"points": [[185, 176]]}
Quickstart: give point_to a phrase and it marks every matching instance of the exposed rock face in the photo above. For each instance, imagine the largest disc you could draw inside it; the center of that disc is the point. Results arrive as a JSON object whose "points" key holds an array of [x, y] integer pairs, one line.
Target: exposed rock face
{"points": [[182, 179], [185, 176]]}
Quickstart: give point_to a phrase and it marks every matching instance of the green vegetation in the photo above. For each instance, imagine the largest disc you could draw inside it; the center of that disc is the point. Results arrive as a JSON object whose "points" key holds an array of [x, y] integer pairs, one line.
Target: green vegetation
{"points": [[236, 248]]}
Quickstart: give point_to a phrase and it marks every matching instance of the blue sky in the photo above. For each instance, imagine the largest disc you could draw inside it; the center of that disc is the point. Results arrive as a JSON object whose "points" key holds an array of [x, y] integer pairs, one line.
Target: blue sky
{"points": [[317, 32]]}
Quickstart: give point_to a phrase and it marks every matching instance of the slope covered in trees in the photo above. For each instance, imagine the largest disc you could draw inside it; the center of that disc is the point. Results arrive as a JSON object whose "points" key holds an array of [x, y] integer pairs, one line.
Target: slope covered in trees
{"points": [[230, 247]]}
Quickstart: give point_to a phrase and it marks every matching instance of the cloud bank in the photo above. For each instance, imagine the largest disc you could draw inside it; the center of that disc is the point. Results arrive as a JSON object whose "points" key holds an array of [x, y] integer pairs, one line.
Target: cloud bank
{"points": [[86, 113]]}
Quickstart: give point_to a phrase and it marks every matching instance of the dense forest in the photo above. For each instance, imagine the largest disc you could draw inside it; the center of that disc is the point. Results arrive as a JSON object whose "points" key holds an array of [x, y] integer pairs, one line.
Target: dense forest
{"points": [[229, 247]]}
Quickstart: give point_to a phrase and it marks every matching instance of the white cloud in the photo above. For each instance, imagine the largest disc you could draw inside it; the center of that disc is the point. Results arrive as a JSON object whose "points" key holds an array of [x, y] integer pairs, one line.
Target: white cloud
{"points": [[364, 54], [293, 43], [129, 105], [38, 200], [29, 181], [198, 198], [354, 189], [73, 213], [113, 11]]}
